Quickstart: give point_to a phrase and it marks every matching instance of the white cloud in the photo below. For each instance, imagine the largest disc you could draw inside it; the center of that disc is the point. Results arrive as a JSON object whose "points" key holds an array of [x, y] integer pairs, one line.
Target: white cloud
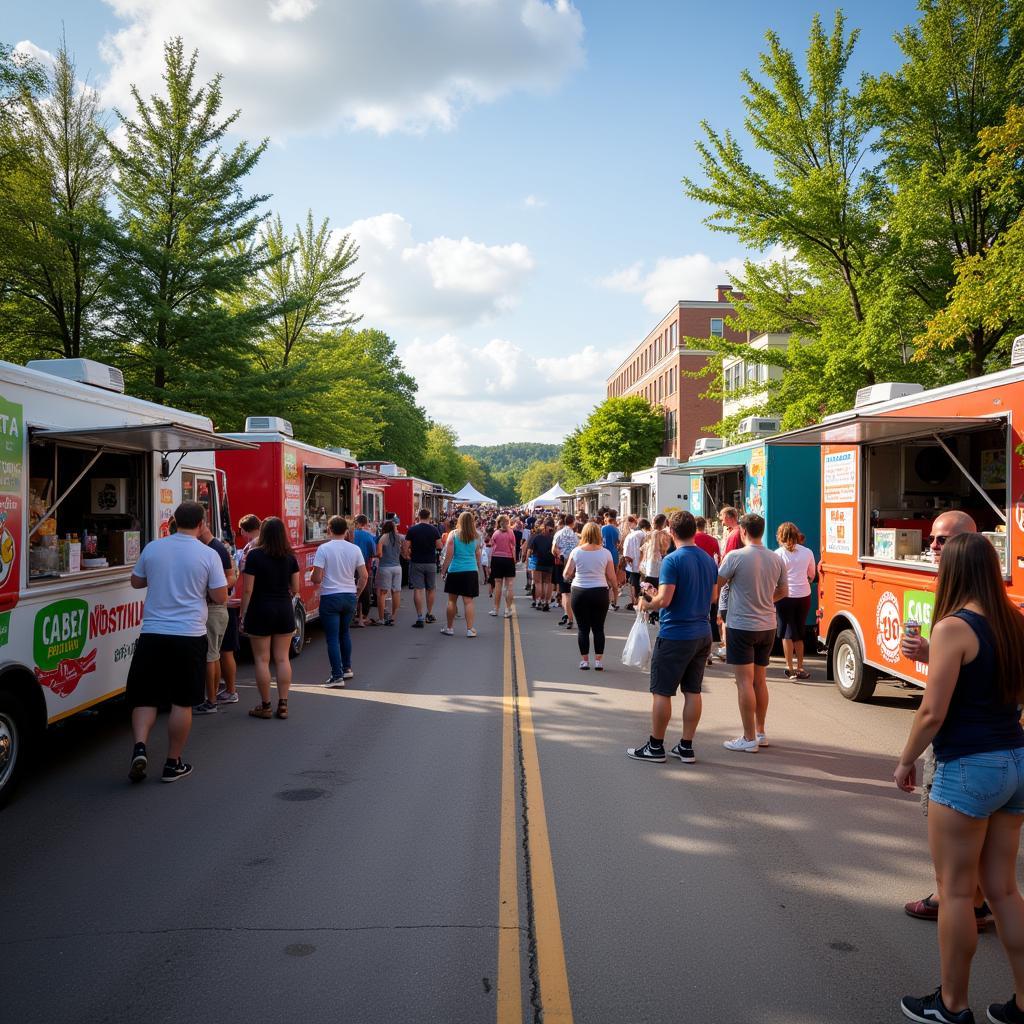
{"points": [[670, 280], [440, 284], [297, 66], [497, 390], [532, 202], [26, 48]]}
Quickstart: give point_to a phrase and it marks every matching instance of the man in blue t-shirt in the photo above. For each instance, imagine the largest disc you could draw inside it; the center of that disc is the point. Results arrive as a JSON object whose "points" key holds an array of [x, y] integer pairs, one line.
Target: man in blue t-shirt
{"points": [[688, 577], [367, 544], [612, 540]]}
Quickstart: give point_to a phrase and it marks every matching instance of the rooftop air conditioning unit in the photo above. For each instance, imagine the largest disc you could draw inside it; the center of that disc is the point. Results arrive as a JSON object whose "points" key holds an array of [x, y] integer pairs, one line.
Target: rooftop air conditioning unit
{"points": [[1017, 352], [84, 371], [387, 469], [345, 453], [268, 425], [665, 462], [708, 444], [613, 478], [875, 393], [760, 426]]}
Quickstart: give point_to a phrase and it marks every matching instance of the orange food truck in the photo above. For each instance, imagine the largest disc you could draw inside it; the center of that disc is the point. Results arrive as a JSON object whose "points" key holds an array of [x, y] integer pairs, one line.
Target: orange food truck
{"points": [[889, 467]]}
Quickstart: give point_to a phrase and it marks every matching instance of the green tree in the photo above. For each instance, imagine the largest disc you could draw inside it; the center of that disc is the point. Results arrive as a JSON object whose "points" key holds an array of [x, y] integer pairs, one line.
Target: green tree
{"points": [[621, 435], [20, 76], [573, 472], [963, 69], [442, 463], [187, 246], [307, 280], [987, 294], [53, 220], [538, 478]]}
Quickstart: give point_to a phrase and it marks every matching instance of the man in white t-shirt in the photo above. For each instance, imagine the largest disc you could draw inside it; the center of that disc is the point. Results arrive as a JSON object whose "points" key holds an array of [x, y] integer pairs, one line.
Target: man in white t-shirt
{"points": [[178, 573], [631, 556], [339, 569]]}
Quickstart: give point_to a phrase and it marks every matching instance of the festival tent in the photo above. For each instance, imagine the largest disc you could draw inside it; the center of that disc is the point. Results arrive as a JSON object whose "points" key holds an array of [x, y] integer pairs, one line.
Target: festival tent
{"points": [[471, 496], [551, 498]]}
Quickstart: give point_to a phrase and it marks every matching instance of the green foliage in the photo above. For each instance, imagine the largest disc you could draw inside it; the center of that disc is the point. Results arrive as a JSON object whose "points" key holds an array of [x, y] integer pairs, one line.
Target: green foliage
{"points": [[573, 472], [538, 478], [186, 247], [442, 462], [621, 435], [53, 220], [512, 455]]}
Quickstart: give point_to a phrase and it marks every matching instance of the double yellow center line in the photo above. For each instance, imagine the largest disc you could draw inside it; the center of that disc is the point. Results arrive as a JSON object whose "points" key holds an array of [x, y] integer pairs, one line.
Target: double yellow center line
{"points": [[552, 979]]}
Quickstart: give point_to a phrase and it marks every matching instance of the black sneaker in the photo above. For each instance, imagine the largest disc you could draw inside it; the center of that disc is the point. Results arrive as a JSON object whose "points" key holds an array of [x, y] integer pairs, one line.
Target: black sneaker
{"points": [[563, 620], [173, 772], [430, 618], [646, 752], [1005, 1013], [684, 752], [931, 1010], [140, 763], [418, 624]]}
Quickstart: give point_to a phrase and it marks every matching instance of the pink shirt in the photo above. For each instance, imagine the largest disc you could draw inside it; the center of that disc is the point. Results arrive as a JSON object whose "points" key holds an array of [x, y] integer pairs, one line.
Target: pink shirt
{"points": [[503, 544]]}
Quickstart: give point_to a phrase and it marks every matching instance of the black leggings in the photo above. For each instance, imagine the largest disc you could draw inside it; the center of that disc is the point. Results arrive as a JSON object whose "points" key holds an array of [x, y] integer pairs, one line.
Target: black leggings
{"points": [[590, 609]]}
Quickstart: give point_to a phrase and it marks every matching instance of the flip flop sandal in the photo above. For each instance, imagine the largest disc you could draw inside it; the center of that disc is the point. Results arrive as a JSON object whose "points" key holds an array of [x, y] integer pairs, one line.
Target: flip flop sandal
{"points": [[261, 712]]}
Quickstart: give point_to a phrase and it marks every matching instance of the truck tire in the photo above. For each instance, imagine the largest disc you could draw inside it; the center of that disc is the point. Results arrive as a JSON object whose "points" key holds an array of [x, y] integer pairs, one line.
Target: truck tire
{"points": [[299, 637], [854, 680], [14, 735]]}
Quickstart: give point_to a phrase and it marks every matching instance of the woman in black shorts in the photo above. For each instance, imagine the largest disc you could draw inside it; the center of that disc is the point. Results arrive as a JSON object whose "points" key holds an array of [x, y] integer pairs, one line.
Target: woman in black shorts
{"points": [[503, 565], [542, 551], [270, 580]]}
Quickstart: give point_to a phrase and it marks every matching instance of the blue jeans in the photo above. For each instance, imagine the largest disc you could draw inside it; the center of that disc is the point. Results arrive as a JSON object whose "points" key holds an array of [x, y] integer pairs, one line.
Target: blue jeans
{"points": [[336, 611]]}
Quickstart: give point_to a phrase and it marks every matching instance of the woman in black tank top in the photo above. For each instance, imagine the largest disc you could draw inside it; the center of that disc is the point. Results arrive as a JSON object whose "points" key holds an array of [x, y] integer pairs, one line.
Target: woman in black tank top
{"points": [[970, 713]]}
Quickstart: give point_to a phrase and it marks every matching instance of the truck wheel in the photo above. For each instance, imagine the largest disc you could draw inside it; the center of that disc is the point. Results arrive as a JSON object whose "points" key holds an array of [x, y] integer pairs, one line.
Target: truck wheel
{"points": [[855, 680], [299, 637], [13, 736]]}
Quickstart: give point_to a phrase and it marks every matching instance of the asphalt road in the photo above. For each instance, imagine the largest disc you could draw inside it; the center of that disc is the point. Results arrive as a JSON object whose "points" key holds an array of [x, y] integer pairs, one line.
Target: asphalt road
{"points": [[343, 866]]}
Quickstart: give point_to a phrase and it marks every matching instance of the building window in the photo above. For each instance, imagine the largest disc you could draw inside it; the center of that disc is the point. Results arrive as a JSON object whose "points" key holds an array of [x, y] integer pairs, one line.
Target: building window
{"points": [[717, 327], [753, 373]]}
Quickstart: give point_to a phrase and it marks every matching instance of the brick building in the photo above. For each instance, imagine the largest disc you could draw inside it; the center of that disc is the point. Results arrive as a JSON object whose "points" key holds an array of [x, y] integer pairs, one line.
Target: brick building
{"points": [[657, 370]]}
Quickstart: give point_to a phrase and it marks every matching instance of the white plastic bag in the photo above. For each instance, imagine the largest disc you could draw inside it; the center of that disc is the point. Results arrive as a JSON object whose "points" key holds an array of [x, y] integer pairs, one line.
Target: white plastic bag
{"points": [[637, 652]]}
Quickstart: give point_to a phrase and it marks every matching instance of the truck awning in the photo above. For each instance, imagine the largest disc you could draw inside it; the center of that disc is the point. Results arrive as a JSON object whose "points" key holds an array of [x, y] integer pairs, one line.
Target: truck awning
{"points": [[863, 428], [347, 472], [146, 437]]}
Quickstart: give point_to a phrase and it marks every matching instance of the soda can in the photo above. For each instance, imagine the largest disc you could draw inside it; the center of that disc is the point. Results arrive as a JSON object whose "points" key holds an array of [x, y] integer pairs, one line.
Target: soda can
{"points": [[911, 628]]}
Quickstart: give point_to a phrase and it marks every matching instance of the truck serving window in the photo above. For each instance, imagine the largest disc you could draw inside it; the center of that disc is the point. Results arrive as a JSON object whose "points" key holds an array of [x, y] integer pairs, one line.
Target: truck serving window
{"points": [[910, 482], [97, 503]]}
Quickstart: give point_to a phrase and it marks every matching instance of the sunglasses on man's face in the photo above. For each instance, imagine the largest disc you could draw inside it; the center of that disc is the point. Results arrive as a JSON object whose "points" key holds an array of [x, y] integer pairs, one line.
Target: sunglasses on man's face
{"points": [[939, 539]]}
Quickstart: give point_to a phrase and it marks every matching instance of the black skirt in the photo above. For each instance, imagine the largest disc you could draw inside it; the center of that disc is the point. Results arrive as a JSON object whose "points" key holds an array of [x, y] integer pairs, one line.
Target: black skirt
{"points": [[463, 584], [266, 618]]}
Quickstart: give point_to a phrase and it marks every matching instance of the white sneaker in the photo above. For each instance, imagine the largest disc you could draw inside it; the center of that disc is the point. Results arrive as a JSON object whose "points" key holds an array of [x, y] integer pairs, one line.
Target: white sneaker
{"points": [[762, 739], [741, 744], [447, 632], [470, 632], [492, 612], [508, 615], [720, 654], [347, 674]]}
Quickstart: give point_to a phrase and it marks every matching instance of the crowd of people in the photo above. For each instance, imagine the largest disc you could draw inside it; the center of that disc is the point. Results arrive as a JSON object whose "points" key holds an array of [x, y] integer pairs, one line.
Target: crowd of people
{"points": [[730, 602]]}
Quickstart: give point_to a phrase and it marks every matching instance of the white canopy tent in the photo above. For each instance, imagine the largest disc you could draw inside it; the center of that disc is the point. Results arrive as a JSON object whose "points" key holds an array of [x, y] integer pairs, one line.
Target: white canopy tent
{"points": [[471, 496], [551, 498]]}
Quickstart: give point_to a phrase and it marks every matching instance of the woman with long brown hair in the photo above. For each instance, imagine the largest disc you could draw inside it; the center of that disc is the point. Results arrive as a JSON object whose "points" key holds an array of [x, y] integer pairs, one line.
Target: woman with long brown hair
{"points": [[462, 566], [791, 611], [270, 580], [970, 713]]}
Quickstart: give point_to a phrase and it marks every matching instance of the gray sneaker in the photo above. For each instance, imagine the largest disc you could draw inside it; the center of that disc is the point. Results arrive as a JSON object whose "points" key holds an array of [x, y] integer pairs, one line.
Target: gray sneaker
{"points": [[335, 683], [206, 708], [227, 698]]}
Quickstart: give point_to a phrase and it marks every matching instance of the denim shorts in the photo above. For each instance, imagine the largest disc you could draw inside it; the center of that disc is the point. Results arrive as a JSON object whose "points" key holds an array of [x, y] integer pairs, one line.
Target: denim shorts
{"points": [[978, 785]]}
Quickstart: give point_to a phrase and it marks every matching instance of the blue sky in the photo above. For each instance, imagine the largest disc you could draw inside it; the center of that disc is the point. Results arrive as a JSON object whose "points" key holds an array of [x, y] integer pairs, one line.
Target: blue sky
{"points": [[510, 168]]}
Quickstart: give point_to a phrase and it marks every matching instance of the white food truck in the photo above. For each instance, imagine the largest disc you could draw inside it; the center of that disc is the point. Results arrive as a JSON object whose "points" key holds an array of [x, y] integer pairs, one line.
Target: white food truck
{"points": [[88, 476]]}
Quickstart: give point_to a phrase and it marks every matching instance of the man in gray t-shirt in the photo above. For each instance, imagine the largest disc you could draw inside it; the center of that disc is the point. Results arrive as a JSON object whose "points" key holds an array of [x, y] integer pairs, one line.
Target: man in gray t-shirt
{"points": [[757, 579]]}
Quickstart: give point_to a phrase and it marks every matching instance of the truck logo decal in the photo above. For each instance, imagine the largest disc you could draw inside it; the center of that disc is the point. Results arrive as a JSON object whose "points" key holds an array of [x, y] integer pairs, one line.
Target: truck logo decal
{"points": [[59, 639], [887, 621]]}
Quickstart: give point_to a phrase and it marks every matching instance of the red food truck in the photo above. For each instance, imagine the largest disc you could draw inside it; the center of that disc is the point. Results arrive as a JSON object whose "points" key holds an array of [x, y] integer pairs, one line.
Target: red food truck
{"points": [[405, 495], [889, 468], [302, 485]]}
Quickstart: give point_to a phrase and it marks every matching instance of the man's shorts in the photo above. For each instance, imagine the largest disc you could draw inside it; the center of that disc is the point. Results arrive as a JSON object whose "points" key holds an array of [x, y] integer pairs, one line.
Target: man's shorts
{"points": [[231, 643], [423, 576], [978, 785], [633, 579], [556, 574], [167, 670], [216, 627], [749, 646], [678, 665]]}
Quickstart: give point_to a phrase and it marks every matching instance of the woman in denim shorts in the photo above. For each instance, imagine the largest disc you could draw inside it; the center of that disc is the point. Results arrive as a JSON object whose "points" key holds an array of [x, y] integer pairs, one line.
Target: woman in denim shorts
{"points": [[970, 714]]}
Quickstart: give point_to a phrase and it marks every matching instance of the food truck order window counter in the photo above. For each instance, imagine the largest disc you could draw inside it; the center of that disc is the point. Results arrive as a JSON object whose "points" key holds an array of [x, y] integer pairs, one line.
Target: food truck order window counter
{"points": [[91, 491], [328, 492], [913, 469]]}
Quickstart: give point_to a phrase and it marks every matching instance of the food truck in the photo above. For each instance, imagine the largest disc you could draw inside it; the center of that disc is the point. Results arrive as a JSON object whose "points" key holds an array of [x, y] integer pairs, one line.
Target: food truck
{"points": [[302, 485], [605, 493], [405, 495], [888, 468], [88, 476]]}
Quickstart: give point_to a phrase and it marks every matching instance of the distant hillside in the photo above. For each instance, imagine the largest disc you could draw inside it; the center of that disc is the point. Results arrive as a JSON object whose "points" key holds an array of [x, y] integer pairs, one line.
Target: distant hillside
{"points": [[516, 455]]}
